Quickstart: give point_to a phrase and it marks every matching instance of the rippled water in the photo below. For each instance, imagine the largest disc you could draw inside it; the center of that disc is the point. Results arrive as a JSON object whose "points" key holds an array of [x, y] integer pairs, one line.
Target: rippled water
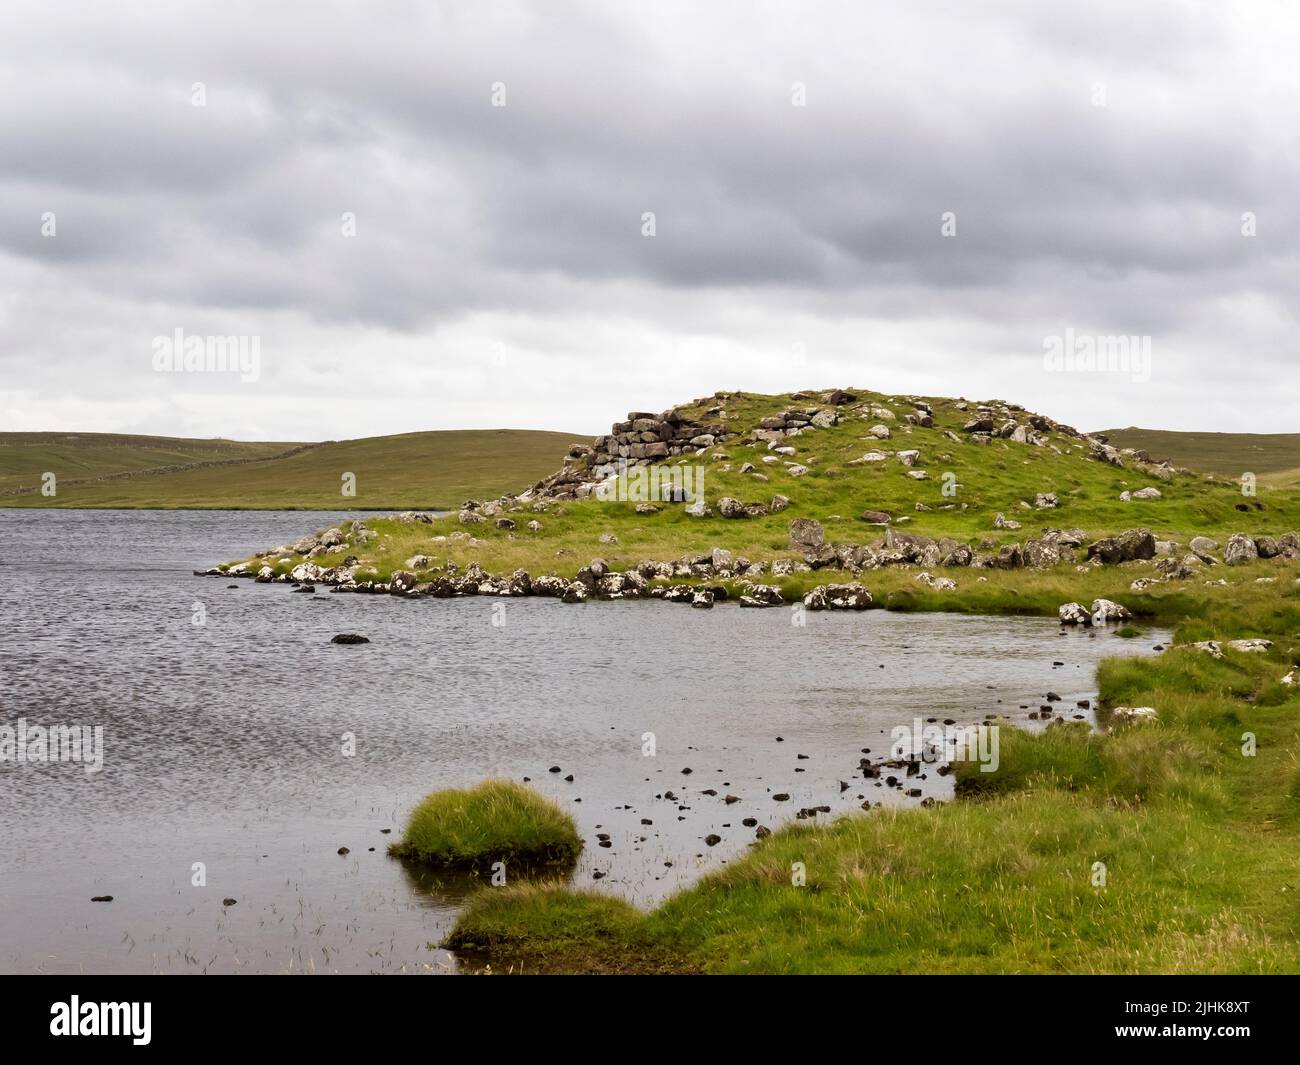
{"points": [[224, 742]]}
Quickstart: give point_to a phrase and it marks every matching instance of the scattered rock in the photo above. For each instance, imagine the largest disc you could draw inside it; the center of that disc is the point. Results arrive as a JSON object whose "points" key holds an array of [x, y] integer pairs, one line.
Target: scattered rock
{"points": [[1073, 614], [761, 595], [1129, 714], [806, 533], [1240, 548], [1106, 610], [838, 597]]}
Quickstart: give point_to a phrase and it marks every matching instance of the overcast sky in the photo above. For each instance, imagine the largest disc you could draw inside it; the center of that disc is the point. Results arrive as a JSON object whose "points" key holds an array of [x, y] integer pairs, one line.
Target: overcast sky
{"points": [[1100, 161]]}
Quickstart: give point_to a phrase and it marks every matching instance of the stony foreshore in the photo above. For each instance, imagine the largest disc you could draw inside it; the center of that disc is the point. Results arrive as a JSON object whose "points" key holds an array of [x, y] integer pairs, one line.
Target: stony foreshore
{"points": [[719, 575]]}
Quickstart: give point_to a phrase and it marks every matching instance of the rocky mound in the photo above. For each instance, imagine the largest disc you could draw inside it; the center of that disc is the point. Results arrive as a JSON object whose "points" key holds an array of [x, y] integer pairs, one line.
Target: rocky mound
{"points": [[644, 439]]}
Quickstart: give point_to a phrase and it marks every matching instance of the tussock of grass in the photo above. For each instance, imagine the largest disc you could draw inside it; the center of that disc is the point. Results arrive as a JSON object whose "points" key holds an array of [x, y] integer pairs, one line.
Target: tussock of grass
{"points": [[552, 912], [545, 927], [497, 820]]}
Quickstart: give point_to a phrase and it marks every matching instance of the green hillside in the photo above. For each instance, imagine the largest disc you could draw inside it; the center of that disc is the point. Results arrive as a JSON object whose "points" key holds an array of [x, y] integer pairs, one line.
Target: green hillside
{"points": [[24, 457], [429, 470], [968, 483], [1271, 457]]}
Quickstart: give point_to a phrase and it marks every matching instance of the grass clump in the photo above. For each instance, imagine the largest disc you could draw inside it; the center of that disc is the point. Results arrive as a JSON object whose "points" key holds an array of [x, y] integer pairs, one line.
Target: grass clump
{"points": [[548, 927], [497, 820]]}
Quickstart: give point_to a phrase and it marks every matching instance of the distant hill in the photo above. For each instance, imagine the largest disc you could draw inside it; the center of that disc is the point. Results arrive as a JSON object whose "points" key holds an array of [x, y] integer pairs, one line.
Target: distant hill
{"points": [[430, 470], [1276, 455]]}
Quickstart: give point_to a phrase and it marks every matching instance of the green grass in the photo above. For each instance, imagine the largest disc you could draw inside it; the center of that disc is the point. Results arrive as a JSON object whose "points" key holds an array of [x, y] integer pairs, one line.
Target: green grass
{"points": [[433, 470], [1200, 847], [991, 479], [1227, 454], [571, 931], [25, 457], [497, 820]]}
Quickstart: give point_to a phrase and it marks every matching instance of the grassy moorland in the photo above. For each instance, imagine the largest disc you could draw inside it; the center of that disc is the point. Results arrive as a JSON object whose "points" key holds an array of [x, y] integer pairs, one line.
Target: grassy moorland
{"points": [[25, 457], [431, 470], [1170, 845], [1270, 456]]}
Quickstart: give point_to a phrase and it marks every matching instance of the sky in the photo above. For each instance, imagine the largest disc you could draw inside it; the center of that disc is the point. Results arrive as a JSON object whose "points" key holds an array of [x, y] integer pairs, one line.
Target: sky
{"points": [[545, 215]]}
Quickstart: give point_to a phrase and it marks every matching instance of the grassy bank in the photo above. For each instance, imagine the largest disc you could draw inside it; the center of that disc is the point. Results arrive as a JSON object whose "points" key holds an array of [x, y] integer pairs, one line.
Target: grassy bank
{"points": [[434, 470], [1200, 846], [496, 821]]}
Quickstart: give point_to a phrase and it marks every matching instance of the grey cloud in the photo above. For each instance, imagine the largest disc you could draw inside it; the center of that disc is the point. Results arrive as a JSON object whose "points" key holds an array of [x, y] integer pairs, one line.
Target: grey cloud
{"points": [[769, 217]]}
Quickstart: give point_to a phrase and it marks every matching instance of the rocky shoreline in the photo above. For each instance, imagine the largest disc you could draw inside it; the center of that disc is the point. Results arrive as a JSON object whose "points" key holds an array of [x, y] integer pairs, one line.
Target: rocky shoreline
{"points": [[708, 431], [738, 577]]}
